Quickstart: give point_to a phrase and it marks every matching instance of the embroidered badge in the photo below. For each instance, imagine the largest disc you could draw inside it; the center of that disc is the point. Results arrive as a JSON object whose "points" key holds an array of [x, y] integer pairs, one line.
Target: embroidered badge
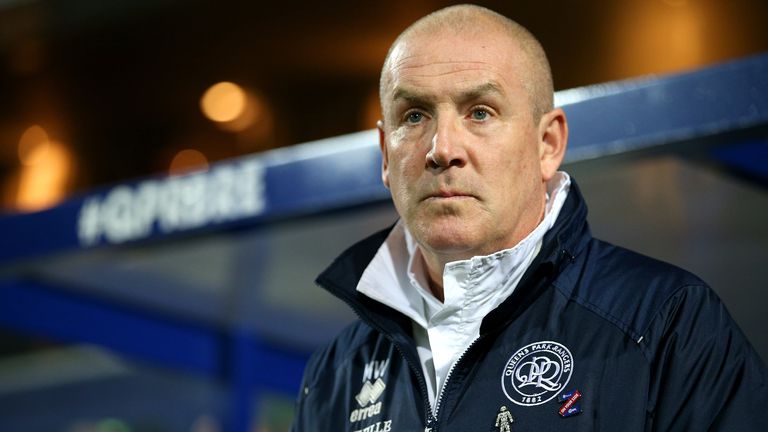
{"points": [[571, 407], [536, 373], [572, 411], [566, 395], [504, 420]]}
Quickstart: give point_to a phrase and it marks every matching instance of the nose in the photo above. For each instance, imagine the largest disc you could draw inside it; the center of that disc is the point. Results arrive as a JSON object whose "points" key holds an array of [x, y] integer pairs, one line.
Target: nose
{"points": [[447, 148]]}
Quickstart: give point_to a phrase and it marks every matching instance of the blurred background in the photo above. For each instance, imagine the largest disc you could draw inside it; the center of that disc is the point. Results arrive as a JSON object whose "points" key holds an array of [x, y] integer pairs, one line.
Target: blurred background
{"points": [[94, 92], [164, 335]]}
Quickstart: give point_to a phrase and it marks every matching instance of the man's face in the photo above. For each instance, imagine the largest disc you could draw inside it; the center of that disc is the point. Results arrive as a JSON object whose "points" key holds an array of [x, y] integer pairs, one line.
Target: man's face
{"points": [[459, 142]]}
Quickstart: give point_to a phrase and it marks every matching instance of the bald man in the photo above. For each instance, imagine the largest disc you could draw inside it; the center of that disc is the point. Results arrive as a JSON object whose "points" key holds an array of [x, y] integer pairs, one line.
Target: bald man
{"points": [[488, 306]]}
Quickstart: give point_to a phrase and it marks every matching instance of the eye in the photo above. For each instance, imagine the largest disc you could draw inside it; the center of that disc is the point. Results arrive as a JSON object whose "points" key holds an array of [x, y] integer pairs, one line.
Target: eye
{"points": [[414, 117], [479, 114]]}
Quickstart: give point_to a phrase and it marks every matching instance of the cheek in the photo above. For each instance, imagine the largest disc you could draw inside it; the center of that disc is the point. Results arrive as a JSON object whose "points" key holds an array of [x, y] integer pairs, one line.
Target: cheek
{"points": [[402, 181], [519, 172], [404, 184], [405, 163]]}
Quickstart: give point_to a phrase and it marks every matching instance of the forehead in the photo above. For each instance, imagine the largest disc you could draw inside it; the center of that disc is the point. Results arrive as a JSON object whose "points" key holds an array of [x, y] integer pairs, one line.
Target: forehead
{"points": [[442, 62]]}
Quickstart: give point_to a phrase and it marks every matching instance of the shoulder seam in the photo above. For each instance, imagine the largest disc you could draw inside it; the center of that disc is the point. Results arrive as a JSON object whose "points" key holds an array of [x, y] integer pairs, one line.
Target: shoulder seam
{"points": [[583, 302], [635, 334], [662, 306]]}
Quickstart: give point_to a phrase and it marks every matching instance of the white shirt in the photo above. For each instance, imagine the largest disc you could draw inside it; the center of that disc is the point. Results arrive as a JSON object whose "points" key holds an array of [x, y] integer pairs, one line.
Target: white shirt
{"points": [[396, 277]]}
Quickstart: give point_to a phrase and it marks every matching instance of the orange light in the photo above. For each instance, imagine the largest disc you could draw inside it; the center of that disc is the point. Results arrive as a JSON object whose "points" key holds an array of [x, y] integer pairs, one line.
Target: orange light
{"points": [[676, 3], [252, 113], [43, 182], [659, 38], [188, 160], [223, 102], [33, 145]]}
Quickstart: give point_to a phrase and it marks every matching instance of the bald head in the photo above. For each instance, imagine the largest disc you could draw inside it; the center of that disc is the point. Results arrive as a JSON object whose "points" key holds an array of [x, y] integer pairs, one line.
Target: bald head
{"points": [[476, 22]]}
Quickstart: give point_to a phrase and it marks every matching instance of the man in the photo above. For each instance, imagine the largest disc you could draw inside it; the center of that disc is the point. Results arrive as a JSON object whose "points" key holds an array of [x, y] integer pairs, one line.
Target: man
{"points": [[489, 302]]}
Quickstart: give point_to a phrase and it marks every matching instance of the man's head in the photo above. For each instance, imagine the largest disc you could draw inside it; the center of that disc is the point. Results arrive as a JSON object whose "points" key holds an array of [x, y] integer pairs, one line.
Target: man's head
{"points": [[468, 137], [536, 75]]}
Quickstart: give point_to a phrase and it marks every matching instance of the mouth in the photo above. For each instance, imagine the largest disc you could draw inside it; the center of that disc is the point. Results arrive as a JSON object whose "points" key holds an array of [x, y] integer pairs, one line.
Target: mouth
{"points": [[449, 195]]}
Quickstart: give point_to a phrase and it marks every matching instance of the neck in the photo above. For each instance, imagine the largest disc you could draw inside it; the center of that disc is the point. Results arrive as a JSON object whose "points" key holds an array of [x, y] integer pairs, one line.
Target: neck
{"points": [[435, 274]]}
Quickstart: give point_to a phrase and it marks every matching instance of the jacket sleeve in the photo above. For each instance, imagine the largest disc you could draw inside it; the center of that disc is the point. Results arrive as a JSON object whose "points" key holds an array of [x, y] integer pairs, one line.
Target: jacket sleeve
{"points": [[705, 376], [303, 420]]}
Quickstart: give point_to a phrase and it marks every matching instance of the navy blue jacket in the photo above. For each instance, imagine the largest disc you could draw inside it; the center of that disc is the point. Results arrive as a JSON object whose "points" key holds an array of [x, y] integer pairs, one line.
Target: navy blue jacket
{"points": [[595, 337]]}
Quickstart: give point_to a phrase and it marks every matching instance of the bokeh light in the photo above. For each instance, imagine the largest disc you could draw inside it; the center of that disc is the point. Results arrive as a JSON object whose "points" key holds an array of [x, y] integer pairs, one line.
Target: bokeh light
{"points": [[668, 37], [223, 102], [43, 181], [676, 3], [188, 160], [33, 145]]}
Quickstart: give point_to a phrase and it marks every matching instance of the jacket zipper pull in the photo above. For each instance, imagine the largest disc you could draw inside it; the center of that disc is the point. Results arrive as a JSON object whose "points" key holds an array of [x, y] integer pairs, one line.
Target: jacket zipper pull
{"points": [[430, 424]]}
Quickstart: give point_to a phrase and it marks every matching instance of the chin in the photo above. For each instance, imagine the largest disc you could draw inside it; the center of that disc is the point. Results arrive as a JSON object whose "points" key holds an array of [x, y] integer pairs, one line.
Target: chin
{"points": [[450, 240]]}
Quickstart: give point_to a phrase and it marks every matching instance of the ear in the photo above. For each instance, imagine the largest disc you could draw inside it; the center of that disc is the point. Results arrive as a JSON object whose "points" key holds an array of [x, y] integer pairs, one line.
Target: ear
{"points": [[384, 159], [553, 140]]}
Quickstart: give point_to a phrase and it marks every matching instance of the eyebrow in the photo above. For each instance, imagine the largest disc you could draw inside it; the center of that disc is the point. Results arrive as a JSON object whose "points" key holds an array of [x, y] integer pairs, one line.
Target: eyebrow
{"points": [[490, 87], [412, 97], [416, 98]]}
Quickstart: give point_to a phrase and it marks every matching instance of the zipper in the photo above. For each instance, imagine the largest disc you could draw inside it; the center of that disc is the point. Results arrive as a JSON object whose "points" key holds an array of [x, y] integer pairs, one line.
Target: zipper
{"points": [[439, 399], [431, 419]]}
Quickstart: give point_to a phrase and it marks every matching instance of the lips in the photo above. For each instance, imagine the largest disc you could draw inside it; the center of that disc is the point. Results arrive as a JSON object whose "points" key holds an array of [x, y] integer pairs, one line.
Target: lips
{"points": [[445, 194]]}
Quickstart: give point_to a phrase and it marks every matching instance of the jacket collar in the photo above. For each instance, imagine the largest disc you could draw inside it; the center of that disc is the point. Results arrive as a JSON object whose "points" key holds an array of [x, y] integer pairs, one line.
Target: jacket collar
{"points": [[560, 247], [561, 244]]}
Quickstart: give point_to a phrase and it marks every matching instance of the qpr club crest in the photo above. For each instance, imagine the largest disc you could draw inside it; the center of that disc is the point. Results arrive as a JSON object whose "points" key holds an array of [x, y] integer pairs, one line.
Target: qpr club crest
{"points": [[536, 373]]}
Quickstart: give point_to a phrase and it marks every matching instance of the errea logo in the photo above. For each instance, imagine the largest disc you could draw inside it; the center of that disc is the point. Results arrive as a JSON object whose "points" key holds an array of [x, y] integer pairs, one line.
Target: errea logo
{"points": [[372, 389], [370, 393], [373, 382]]}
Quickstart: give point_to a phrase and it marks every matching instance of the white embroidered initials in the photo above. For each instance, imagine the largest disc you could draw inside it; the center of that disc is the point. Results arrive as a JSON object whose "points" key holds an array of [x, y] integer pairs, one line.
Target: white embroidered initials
{"points": [[375, 369]]}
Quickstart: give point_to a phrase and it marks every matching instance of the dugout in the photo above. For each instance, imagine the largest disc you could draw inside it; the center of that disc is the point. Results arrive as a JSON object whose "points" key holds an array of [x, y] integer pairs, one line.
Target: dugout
{"points": [[169, 303]]}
